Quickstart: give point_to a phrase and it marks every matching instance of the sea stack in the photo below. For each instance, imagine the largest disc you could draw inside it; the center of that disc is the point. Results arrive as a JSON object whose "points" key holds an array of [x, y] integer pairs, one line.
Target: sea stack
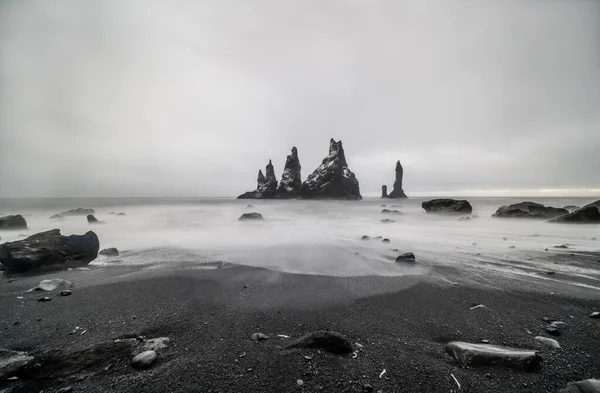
{"points": [[291, 181], [397, 192], [384, 193], [332, 179], [266, 187]]}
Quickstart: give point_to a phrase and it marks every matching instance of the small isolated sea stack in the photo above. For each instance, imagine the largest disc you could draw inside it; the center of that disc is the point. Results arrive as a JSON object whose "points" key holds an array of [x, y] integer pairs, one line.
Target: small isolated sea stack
{"points": [[13, 222], [397, 192], [291, 181], [266, 187], [332, 179]]}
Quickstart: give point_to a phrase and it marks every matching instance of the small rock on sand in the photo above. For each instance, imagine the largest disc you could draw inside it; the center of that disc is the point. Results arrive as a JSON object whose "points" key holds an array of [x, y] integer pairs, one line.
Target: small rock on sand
{"points": [[329, 341], [548, 341], [595, 314], [365, 237], [44, 299], [387, 221], [251, 217], [299, 382], [110, 252], [65, 293], [144, 360], [492, 355], [386, 240], [52, 284], [562, 246], [585, 386], [259, 337]]}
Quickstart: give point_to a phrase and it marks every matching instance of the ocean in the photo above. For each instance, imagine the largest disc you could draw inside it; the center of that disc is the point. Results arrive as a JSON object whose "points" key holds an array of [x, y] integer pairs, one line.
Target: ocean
{"points": [[309, 237]]}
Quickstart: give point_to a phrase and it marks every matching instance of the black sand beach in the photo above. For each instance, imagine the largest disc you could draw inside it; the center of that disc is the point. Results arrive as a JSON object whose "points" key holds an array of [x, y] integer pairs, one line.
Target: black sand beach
{"points": [[210, 313]]}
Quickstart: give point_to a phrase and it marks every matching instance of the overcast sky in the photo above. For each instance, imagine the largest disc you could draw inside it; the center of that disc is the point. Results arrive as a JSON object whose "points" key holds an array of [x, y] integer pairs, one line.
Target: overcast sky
{"points": [[191, 98]]}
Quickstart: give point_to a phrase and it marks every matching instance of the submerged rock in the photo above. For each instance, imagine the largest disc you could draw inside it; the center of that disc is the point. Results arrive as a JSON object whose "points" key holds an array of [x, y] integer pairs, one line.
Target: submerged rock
{"points": [[492, 355], [13, 222], [387, 211], [291, 181], [93, 220], [332, 179], [585, 386], [447, 206], [529, 210], [78, 212], [57, 216], [589, 214], [110, 252], [406, 257], [387, 221], [329, 341], [398, 192], [266, 186], [49, 250], [365, 237], [121, 214], [251, 216]]}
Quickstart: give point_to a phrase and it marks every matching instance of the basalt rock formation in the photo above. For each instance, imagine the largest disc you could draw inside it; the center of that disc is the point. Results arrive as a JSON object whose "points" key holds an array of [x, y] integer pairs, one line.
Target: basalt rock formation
{"points": [[13, 222], [384, 193], [447, 206], [589, 214], [266, 187], [49, 250], [529, 210], [332, 179], [289, 186], [397, 192]]}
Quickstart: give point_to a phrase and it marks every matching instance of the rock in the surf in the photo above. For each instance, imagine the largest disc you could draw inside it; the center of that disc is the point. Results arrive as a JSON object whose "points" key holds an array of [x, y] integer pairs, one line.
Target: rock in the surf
{"points": [[266, 186], [49, 250], [332, 179], [291, 181], [78, 212], [387, 221], [251, 217], [406, 257], [397, 191], [110, 252], [13, 222], [529, 210], [447, 206], [92, 220], [384, 193], [589, 214], [492, 355]]}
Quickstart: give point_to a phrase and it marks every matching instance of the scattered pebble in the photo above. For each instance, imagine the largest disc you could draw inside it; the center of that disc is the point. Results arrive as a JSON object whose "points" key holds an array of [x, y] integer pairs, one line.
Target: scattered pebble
{"points": [[66, 292], [259, 337], [386, 240], [595, 314], [44, 299], [548, 341], [561, 246], [367, 388], [144, 360], [299, 382], [512, 247], [365, 237], [66, 389], [406, 257], [477, 306], [553, 330]]}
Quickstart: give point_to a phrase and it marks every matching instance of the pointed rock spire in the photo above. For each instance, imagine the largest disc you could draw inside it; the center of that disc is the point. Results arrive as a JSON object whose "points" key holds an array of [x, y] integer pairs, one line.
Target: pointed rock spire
{"points": [[384, 193], [289, 186], [266, 187], [398, 192], [332, 179]]}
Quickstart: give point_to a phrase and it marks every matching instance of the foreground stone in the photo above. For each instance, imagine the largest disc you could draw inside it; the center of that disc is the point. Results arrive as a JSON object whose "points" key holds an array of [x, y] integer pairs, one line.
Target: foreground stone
{"points": [[251, 217], [329, 341], [447, 206], [110, 252], [492, 355], [78, 212], [49, 250], [589, 214], [548, 341], [13, 222], [52, 284], [144, 360], [259, 337], [291, 180], [529, 210], [585, 386], [332, 179], [11, 362]]}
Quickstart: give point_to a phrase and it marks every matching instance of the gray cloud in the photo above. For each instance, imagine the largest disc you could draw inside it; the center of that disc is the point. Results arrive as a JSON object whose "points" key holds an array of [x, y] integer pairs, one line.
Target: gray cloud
{"points": [[188, 98]]}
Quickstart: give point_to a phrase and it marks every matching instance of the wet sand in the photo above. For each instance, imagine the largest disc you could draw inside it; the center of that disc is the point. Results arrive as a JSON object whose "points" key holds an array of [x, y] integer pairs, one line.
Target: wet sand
{"points": [[402, 323]]}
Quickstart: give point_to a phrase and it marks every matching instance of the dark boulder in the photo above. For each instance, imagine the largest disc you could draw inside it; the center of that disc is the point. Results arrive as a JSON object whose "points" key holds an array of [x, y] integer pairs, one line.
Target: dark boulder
{"points": [[384, 193], [92, 220], [329, 341], [332, 179], [110, 252], [291, 181], [447, 206], [266, 187], [49, 250], [13, 222], [78, 212], [529, 210], [589, 214], [487, 355], [388, 211], [406, 257], [398, 192], [121, 214], [251, 217]]}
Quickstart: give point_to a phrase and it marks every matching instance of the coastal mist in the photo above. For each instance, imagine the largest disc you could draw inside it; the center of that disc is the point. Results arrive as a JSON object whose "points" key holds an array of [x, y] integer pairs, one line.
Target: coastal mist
{"points": [[311, 237]]}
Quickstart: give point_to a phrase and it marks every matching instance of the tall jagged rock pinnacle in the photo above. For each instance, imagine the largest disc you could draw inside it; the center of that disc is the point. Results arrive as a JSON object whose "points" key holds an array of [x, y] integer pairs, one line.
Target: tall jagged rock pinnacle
{"points": [[398, 192], [332, 179], [384, 193], [266, 187], [291, 181]]}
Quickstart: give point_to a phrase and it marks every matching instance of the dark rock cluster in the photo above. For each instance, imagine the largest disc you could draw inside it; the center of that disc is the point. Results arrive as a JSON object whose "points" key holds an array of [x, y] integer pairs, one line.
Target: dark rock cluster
{"points": [[447, 206], [589, 214], [13, 222], [529, 210], [266, 187], [291, 180], [397, 192]]}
